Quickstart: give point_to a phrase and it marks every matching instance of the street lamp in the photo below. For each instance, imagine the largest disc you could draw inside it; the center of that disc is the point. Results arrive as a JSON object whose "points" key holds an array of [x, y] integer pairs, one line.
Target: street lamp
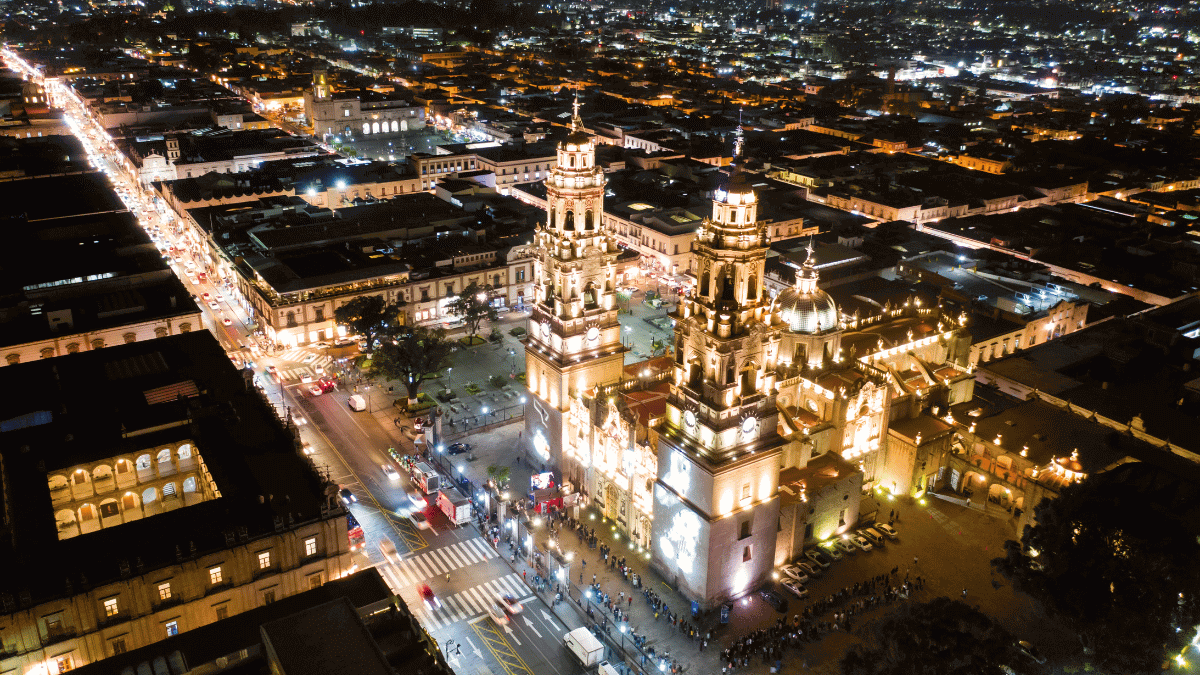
{"points": [[449, 373], [624, 629]]}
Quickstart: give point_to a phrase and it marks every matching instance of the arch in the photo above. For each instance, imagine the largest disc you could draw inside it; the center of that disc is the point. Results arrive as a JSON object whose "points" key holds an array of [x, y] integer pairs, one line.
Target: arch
{"points": [[47, 352], [165, 462], [80, 477], [590, 297], [170, 490], [403, 125], [129, 337], [550, 217], [496, 281], [395, 126], [143, 462], [185, 327], [129, 501], [160, 332], [811, 405], [571, 161], [64, 519], [87, 512], [57, 481], [184, 451], [149, 495], [109, 508], [348, 131], [366, 128], [998, 494], [73, 348], [569, 221], [13, 359], [705, 279], [695, 372], [375, 127], [752, 288], [749, 378], [98, 343], [587, 220], [189, 484]]}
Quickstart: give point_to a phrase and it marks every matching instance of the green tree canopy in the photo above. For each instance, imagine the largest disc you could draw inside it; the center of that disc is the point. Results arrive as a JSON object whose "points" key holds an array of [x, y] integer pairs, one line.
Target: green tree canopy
{"points": [[940, 637], [1115, 556], [367, 315], [473, 307], [412, 355]]}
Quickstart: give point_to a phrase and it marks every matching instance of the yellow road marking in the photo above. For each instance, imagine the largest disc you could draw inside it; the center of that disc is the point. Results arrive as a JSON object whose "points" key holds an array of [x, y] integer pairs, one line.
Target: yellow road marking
{"points": [[501, 650]]}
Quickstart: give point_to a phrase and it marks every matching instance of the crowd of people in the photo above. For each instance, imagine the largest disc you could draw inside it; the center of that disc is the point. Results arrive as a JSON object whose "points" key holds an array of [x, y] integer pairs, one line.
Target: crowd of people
{"points": [[818, 619]]}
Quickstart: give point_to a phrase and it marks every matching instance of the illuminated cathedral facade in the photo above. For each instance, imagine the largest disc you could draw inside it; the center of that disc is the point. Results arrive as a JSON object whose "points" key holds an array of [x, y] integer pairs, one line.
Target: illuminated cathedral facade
{"points": [[762, 430]]}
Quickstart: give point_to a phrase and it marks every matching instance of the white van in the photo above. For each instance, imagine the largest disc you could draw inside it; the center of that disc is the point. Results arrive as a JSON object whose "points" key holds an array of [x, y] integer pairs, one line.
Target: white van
{"points": [[606, 668], [358, 403]]}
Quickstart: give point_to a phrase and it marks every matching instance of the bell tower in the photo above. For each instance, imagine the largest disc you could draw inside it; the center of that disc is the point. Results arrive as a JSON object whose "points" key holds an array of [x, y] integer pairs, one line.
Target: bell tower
{"points": [[574, 335], [719, 452]]}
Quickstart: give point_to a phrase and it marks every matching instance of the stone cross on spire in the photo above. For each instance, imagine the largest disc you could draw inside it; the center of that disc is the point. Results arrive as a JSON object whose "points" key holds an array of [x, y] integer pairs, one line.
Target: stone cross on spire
{"points": [[576, 122]]}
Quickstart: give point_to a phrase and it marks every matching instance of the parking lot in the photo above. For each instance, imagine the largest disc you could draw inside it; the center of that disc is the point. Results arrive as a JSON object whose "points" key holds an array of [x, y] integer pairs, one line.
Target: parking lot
{"points": [[949, 546]]}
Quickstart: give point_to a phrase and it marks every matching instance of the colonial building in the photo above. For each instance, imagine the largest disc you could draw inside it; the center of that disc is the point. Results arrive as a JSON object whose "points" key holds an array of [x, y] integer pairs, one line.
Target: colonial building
{"points": [[362, 116], [175, 500]]}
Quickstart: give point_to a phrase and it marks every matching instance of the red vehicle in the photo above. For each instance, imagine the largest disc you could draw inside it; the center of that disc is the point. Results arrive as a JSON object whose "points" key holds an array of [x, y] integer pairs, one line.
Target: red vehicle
{"points": [[358, 538], [327, 385]]}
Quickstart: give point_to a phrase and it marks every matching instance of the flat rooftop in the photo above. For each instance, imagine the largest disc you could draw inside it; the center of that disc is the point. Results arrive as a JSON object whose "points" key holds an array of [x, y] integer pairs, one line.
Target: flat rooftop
{"points": [[126, 401]]}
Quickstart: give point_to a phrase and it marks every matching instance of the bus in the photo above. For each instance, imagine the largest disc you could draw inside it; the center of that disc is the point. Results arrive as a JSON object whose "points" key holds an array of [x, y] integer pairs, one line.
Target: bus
{"points": [[357, 537]]}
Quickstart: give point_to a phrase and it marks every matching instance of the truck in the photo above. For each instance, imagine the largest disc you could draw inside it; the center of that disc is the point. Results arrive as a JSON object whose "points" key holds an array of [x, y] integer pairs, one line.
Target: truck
{"points": [[456, 507], [425, 478], [357, 403], [584, 646]]}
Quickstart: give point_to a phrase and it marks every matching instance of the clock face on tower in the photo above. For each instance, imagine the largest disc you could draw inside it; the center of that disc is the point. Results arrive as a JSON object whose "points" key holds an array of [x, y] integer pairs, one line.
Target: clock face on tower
{"points": [[689, 418], [749, 425], [545, 330], [593, 334]]}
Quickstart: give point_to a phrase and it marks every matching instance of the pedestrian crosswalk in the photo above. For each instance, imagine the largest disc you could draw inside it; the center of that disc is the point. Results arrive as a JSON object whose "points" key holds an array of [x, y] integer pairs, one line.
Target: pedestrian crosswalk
{"points": [[439, 561], [466, 604], [305, 362]]}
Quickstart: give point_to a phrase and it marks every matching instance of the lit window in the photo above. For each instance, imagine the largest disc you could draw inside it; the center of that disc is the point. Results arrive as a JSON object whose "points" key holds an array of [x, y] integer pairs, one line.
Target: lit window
{"points": [[172, 628], [214, 575], [110, 607], [264, 560], [164, 591], [310, 546]]}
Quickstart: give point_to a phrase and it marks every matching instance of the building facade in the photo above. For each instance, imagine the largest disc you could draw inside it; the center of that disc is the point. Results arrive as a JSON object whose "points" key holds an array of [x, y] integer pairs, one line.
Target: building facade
{"points": [[352, 118]]}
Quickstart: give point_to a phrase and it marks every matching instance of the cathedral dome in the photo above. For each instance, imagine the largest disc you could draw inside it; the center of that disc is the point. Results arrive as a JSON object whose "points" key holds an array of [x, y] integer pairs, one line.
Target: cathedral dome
{"points": [[804, 307], [812, 312]]}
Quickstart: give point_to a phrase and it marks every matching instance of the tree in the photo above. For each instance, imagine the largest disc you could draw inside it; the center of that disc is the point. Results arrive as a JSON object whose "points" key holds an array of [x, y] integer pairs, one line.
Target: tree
{"points": [[939, 637], [473, 306], [499, 474], [1114, 557], [367, 315], [412, 355]]}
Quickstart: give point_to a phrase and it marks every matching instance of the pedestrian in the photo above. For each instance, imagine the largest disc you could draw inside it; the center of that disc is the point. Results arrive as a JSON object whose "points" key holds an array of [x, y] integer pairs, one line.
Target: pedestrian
{"points": [[524, 575], [964, 593], [581, 577], [914, 561]]}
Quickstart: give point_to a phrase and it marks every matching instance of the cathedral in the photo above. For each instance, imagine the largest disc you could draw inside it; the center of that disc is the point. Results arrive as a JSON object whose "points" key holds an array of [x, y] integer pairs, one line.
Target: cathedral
{"points": [[767, 426]]}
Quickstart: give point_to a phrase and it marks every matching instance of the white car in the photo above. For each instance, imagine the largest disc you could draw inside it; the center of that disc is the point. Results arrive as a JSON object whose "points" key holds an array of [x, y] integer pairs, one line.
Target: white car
{"points": [[795, 573], [388, 549], [795, 588], [315, 390], [213, 305], [497, 613], [310, 358], [887, 530], [388, 469], [861, 542]]}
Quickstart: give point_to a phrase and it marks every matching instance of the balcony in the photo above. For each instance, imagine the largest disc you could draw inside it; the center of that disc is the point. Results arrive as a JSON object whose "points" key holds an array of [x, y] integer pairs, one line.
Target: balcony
{"points": [[58, 634]]}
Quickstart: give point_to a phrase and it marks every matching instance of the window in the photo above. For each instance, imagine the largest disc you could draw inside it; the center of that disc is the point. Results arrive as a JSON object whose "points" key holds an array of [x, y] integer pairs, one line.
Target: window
{"points": [[449, 290], [64, 663], [214, 575], [268, 597], [222, 612], [746, 487], [745, 530], [746, 554], [310, 546], [320, 313], [118, 646], [314, 581], [521, 275], [346, 113], [172, 628], [264, 560], [164, 591], [110, 607]]}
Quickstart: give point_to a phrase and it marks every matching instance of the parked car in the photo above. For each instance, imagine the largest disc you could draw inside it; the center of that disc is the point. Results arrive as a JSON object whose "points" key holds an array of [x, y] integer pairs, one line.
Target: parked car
{"points": [[887, 530], [795, 588], [795, 573], [775, 600], [811, 569], [871, 535], [845, 546], [818, 558], [861, 542], [830, 549]]}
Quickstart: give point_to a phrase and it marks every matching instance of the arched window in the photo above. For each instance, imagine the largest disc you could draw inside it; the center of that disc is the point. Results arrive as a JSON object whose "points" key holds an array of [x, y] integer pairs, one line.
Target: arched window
{"points": [[550, 217], [704, 281], [589, 295], [375, 128], [395, 126], [752, 288], [496, 281], [366, 127], [569, 222], [587, 220]]}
